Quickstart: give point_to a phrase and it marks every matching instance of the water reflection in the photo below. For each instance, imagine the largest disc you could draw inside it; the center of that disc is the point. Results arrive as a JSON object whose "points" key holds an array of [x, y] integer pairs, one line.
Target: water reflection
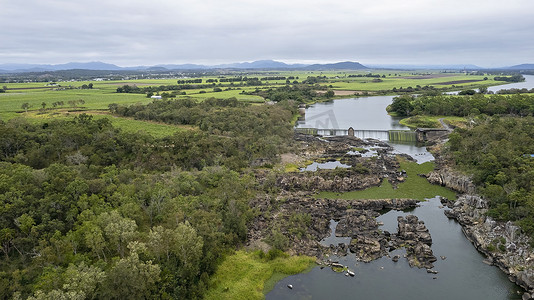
{"points": [[366, 113]]}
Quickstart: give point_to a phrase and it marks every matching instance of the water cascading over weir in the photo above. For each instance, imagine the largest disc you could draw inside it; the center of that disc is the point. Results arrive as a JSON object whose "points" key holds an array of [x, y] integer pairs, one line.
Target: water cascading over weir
{"points": [[384, 135]]}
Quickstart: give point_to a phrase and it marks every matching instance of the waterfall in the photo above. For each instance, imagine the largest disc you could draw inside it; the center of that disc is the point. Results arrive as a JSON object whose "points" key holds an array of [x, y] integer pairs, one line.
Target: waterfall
{"points": [[383, 135], [402, 136]]}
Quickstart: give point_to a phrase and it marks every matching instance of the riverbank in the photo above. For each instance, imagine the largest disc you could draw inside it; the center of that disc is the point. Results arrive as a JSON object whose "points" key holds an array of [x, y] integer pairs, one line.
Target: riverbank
{"points": [[249, 275], [501, 242]]}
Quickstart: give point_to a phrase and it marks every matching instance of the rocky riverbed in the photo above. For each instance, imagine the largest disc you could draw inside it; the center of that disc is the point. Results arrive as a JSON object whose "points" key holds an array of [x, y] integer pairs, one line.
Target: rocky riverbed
{"points": [[295, 220]]}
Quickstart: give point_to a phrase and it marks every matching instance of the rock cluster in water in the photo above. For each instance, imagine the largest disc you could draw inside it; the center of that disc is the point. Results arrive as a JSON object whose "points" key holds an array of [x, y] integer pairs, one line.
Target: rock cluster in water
{"points": [[414, 235], [356, 219], [368, 243]]}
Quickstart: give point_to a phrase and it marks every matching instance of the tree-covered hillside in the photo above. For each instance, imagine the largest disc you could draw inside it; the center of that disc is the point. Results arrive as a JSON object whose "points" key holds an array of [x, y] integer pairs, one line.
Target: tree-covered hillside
{"points": [[88, 211]]}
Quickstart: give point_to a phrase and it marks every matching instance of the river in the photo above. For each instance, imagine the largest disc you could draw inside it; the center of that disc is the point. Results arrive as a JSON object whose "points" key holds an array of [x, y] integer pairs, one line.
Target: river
{"points": [[528, 84], [462, 274], [365, 113]]}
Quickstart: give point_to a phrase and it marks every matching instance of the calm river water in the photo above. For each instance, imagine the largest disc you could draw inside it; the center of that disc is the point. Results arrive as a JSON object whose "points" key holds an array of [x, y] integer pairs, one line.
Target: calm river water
{"points": [[462, 275]]}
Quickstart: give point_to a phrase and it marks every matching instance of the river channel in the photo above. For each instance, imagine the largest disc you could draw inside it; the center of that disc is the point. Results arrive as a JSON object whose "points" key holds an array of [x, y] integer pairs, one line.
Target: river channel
{"points": [[462, 272]]}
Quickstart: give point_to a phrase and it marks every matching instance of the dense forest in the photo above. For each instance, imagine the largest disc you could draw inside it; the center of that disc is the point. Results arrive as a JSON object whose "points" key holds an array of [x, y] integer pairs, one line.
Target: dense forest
{"points": [[298, 92], [89, 211], [448, 105], [498, 152]]}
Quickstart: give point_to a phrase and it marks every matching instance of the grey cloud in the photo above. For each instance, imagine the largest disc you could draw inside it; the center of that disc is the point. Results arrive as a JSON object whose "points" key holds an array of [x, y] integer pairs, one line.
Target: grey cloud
{"points": [[387, 31]]}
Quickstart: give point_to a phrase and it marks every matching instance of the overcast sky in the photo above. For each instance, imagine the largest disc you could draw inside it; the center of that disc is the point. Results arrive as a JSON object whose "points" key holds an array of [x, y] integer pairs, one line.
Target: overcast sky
{"points": [[488, 33]]}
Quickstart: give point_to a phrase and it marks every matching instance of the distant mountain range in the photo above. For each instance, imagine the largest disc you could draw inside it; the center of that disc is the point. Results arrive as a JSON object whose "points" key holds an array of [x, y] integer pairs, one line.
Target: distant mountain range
{"points": [[521, 67], [260, 64], [426, 67], [67, 66]]}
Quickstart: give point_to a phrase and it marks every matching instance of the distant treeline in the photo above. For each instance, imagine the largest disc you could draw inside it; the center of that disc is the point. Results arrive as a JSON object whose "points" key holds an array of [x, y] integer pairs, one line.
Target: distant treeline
{"points": [[517, 104], [187, 81], [211, 83], [417, 88], [516, 91], [513, 78], [133, 89], [298, 92], [239, 78], [368, 75]]}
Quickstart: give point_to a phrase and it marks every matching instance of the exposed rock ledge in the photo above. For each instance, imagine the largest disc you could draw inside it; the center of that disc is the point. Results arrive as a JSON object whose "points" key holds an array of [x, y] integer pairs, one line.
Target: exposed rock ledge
{"points": [[503, 243], [453, 180]]}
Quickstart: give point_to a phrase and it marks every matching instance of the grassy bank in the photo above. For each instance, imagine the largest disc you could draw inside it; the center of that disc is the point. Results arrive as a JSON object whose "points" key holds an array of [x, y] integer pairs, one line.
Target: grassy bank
{"points": [[249, 275], [423, 121], [415, 186]]}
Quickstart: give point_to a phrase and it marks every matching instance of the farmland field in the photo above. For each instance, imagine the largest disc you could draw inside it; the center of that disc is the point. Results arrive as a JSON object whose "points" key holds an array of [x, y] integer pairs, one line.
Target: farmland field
{"points": [[51, 97]]}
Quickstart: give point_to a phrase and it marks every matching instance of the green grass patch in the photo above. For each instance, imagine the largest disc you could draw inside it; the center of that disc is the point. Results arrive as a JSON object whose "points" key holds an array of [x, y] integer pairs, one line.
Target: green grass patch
{"points": [[295, 167], [414, 187], [423, 121], [248, 275], [456, 121], [157, 130]]}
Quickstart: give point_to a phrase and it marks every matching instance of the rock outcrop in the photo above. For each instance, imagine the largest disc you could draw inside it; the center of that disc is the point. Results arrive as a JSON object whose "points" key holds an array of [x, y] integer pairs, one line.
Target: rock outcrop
{"points": [[414, 235], [304, 181], [453, 180], [368, 247], [503, 243]]}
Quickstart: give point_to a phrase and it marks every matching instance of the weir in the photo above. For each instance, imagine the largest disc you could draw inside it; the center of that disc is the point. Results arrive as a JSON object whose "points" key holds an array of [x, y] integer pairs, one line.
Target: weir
{"points": [[384, 135]]}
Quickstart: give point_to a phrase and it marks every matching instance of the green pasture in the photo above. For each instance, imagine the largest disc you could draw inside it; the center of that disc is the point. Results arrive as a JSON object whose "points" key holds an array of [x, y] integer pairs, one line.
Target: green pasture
{"points": [[209, 93], [155, 129], [414, 187], [94, 99], [96, 104], [388, 83]]}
